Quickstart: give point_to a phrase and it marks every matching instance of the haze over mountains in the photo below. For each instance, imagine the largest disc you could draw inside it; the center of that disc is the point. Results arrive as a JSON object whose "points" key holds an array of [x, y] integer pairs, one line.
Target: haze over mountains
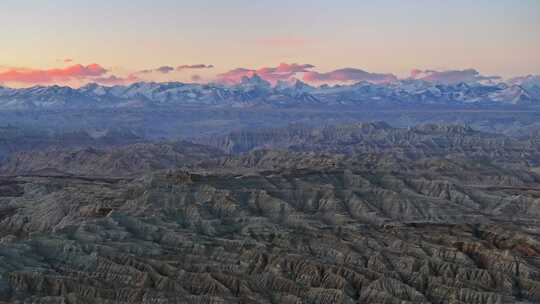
{"points": [[153, 111], [254, 91]]}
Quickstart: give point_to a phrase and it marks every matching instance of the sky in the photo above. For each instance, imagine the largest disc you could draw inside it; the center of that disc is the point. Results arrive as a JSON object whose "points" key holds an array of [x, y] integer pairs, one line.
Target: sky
{"points": [[72, 42]]}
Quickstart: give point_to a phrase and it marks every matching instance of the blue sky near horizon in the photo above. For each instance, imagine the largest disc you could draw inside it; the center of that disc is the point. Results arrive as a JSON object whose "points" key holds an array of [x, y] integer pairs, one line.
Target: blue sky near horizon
{"points": [[496, 37]]}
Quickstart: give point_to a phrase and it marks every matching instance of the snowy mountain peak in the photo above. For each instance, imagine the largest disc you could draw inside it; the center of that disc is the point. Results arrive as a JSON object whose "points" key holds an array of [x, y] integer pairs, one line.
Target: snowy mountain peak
{"points": [[254, 81], [254, 91]]}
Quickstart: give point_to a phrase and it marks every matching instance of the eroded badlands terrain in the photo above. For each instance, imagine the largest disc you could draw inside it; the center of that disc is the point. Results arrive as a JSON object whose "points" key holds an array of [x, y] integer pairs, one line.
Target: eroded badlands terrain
{"points": [[360, 213]]}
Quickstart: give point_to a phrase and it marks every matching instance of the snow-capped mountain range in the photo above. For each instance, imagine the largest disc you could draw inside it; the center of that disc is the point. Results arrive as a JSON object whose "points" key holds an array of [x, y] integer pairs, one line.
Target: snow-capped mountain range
{"points": [[256, 92]]}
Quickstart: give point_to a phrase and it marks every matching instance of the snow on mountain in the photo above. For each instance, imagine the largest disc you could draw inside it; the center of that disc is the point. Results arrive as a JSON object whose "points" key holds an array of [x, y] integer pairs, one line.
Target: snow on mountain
{"points": [[43, 97], [254, 82], [531, 83], [255, 91], [513, 94], [526, 81]]}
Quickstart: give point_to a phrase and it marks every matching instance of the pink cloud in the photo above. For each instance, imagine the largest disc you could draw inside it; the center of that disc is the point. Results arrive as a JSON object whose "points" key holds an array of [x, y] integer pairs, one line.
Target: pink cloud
{"points": [[288, 71], [451, 76], [34, 76], [116, 80], [416, 73], [349, 75], [272, 74], [234, 76]]}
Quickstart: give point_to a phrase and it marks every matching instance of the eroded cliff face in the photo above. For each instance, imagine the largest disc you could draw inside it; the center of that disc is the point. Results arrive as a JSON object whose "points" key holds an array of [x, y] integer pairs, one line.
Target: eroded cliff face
{"points": [[357, 229]]}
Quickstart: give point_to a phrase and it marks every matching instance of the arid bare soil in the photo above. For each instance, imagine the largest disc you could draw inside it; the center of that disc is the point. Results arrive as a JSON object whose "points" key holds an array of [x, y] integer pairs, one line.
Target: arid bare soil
{"points": [[361, 213]]}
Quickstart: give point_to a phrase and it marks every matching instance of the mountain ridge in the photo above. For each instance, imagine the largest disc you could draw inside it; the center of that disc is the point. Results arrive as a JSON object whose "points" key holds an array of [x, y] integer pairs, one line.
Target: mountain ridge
{"points": [[256, 92]]}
